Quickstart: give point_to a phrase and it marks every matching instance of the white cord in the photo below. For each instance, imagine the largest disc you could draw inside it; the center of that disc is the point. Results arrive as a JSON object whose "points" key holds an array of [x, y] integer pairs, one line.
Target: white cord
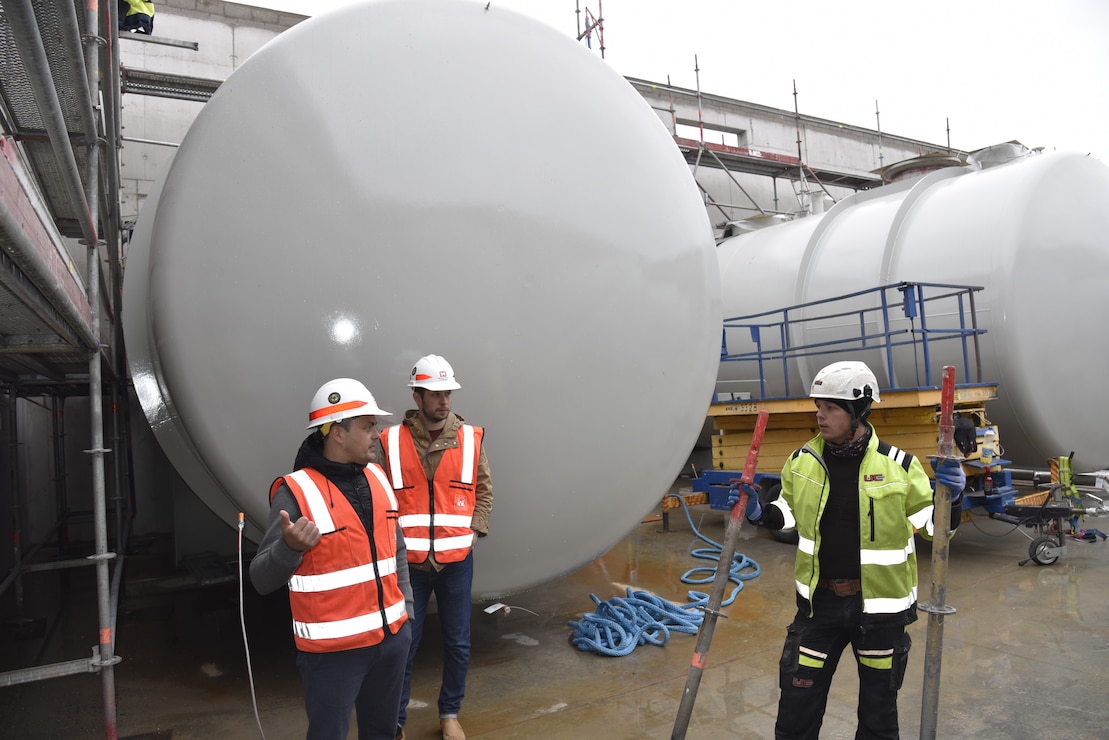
{"points": [[242, 621], [506, 608]]}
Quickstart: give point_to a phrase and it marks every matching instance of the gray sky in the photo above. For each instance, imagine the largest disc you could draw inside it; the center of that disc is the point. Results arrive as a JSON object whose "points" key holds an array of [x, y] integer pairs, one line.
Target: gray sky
{"points": [[1032, 70]]}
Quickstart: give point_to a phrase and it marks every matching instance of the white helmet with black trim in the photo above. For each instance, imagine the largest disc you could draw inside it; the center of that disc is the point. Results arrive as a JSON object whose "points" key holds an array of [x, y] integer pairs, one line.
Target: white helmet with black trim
{"points": [[845, 381], [850, 385]]}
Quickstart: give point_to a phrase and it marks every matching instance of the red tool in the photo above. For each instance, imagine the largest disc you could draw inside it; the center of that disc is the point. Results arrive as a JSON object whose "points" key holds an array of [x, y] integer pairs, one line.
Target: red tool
{"points": [[941, 523]]}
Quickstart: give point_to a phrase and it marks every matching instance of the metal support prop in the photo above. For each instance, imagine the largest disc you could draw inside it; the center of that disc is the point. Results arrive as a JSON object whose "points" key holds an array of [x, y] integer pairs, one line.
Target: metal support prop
{"points": [[723, 568], [941, 522]]}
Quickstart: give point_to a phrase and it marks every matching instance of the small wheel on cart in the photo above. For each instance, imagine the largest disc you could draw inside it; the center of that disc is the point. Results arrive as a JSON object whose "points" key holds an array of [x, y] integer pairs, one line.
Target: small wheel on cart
{"points": [[1042, 551], [788, 536]]}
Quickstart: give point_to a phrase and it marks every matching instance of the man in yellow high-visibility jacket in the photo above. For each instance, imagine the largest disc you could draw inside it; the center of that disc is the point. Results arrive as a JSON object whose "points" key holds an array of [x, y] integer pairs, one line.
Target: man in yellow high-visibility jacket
{"points": [[857, 503]]}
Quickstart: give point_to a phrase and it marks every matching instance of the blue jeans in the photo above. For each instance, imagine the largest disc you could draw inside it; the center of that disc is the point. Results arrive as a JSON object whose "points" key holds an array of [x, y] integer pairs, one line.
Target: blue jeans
{"points": [[451, 586], [809, 658], [363, 679]]}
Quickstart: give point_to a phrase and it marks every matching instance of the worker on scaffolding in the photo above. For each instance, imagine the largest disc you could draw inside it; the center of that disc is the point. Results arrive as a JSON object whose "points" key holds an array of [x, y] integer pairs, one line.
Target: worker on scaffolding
{"points": [[136, 16], [856, 503], [334, 537]]}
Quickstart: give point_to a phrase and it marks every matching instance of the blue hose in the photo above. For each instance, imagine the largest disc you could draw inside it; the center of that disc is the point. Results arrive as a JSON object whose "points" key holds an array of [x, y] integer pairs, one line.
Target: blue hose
{"points": [[619, 625]]}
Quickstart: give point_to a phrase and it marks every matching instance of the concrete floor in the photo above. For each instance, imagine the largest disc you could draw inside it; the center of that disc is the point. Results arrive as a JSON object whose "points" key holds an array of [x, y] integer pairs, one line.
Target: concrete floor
{"points": [[1025, 656]]}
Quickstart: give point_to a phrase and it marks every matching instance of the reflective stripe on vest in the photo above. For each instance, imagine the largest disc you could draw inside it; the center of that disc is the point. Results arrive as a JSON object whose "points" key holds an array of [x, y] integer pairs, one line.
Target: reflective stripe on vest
{"points": [[392, 440], [868, 556], [443, 520], [385, 486], [467, 476], [442, 544], [923, 520], [348, 627], [317, 507], [889, 605], [342, 578]]}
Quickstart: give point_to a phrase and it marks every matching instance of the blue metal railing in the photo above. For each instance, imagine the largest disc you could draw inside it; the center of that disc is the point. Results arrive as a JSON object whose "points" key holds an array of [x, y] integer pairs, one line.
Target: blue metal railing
{"points": [[892, 320]]}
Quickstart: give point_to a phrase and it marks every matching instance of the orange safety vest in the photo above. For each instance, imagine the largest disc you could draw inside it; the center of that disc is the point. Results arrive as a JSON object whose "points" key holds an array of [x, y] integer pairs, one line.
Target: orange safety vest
{"points": [[438, 523], [341, 596]]}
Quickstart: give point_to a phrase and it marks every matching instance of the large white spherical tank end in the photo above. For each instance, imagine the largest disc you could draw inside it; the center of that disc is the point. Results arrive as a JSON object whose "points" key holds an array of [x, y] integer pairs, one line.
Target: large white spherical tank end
{"points": [[296, 239]]}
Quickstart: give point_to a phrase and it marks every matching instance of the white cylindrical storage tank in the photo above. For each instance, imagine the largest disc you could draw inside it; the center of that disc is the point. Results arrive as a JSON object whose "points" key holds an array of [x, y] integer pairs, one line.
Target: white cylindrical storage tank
{"points": [[1031, 232], [417, 177]]}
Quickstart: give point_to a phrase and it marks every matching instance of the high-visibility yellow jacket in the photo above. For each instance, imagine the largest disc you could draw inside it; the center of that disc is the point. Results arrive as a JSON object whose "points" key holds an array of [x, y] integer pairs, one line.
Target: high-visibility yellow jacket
{"points": [[895, 502], [138, 6]]}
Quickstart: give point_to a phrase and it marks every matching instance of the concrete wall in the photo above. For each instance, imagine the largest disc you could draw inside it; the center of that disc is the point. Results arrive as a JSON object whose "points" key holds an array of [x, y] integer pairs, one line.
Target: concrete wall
{"points": [[226, 34], [824, 145]]}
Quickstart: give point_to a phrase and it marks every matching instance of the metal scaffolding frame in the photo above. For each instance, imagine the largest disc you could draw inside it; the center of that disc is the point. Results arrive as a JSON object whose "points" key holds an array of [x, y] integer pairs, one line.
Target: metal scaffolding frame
{"points": [[60, 336], [731, 159]]}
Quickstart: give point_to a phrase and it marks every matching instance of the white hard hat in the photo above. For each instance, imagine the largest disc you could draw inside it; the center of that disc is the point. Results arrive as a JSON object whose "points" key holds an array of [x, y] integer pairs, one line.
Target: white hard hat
{"points": [[342, 398], [845, 381], [434, 374]]}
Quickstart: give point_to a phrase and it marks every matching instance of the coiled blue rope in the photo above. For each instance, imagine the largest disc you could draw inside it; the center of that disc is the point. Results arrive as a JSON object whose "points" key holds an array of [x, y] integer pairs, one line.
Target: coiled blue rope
{"points": [[620, 625]]}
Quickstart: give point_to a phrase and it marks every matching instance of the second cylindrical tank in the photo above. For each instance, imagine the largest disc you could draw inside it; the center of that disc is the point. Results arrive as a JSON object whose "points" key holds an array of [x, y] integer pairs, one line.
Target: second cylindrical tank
{"points": [[1031, 231]]}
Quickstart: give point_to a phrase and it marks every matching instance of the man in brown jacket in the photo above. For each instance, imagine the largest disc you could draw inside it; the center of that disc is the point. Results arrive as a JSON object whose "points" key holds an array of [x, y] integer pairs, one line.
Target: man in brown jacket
{"points": [[440, 475]]}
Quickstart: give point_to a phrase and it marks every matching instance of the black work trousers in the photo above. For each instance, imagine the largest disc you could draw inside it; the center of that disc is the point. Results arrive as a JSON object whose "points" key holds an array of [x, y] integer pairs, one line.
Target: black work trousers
{"points": [[367, 680], [809, 658]]}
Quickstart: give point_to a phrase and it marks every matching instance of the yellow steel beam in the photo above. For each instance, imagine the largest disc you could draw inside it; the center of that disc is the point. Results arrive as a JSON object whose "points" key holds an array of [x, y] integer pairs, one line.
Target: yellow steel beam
{"points": [[890, 399], [907, 419]]}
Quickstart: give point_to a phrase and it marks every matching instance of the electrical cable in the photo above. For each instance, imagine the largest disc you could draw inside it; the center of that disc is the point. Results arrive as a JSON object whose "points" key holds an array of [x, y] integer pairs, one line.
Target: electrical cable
{"points": [[621, 624], [242, 622], [974, 515]]}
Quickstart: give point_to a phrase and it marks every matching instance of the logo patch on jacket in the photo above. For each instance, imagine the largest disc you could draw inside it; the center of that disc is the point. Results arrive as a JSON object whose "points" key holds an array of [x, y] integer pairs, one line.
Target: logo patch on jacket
{"points": [[460, 501], [874, 477]]}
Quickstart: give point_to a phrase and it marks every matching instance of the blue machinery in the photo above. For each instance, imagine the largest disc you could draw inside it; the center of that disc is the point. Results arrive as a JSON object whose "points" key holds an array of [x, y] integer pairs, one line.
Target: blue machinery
{"points": [[774, 335]]}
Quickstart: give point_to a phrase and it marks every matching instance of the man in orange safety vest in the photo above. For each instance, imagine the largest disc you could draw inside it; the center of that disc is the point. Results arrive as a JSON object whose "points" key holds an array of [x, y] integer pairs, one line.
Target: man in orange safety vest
{"points": [[440, 475], [334, 537]]}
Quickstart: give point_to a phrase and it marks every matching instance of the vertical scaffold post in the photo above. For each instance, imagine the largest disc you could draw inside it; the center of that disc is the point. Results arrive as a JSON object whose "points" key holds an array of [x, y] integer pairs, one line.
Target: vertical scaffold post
{"points": [[723, 568], [936, 607]]}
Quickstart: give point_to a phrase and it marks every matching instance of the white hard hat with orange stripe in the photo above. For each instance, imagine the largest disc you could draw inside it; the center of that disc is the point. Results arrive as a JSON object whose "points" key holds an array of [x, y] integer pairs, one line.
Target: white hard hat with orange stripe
{"points": [[433, 373], [342, 398]]}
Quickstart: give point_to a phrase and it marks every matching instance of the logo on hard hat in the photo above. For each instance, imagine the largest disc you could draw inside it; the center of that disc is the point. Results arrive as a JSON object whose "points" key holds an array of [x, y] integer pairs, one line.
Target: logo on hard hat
{"points": [[442, 373], [334, 397]]}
